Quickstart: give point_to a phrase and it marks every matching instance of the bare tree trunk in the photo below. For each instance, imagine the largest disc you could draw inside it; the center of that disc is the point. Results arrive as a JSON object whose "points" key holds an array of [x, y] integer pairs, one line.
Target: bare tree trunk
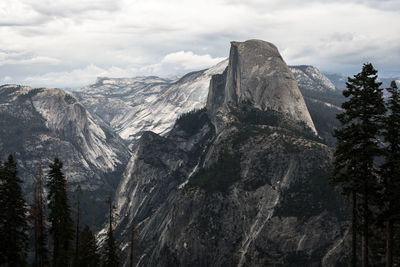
{"points": [[365, 228], [354, 230], [78, 214], [132, 244], [389, 243]]}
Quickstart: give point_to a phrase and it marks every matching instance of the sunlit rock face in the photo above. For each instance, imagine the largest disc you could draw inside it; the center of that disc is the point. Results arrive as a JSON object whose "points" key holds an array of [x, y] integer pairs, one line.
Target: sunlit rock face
{"points": [[258, 76]]}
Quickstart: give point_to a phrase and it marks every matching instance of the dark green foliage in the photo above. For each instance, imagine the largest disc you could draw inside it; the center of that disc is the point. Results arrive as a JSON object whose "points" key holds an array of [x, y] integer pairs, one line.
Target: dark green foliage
{"points": [[389, 202], [192, 121], [111, 251], [324, 119], [88, 251], [357, 139], [391, 167], [13, 224], [250, 116], [358, 147], [311, 196], [61, 224], [298, 258], [219, 176]]}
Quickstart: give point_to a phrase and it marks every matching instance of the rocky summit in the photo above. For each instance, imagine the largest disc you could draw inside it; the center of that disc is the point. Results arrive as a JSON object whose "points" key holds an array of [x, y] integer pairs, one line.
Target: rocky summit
{"points": [[241, 182], [258, 76]]}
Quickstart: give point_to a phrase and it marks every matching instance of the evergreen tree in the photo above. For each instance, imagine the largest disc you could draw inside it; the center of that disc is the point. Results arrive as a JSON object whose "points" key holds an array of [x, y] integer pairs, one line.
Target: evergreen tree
{"points": [[2, 212], [77, 232], [38, 214], [13, 225], [88, 256], [111, 251], [358, 147], [391, 170], [61, 224]]}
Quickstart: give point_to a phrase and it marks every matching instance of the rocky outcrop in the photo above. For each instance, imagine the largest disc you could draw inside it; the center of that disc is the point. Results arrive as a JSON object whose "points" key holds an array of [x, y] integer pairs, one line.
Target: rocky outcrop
{"points": [[39, 124], [258, 76], [237, 183]]}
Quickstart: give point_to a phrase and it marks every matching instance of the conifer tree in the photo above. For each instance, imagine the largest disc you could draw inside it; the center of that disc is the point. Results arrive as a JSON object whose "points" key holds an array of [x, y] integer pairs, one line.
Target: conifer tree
{"points": [[38, 214], [61, 224], [358, 147], [88, 256], [2, 212], [391, 169], [13, 225], [77, 231], [111, 251]]}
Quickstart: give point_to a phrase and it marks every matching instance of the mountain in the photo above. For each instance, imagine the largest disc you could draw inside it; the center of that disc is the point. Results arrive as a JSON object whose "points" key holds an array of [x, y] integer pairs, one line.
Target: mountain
{"points": [[240, 182], [339, 80], [133, 106], [38, 124]]}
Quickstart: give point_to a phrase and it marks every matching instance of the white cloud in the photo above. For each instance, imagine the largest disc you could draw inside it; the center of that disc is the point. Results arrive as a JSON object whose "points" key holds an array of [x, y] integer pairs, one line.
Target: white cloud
{"points": [[75, 78], [143, 36], [189, 61], [171, 64]]}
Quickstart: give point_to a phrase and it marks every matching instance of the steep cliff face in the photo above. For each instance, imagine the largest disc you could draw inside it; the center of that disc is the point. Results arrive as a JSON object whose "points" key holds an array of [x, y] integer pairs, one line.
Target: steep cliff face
{"points": [[258, 76], [238, 183], [38, 124]]}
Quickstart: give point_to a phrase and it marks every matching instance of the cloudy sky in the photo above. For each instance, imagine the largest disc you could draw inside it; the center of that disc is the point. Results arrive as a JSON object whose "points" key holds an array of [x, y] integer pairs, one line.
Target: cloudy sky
{"points": [[68, 43]]}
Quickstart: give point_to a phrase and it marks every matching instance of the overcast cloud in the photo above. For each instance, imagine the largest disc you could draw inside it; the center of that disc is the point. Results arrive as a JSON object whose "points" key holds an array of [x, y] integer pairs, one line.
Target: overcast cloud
{"points": [[68, 43]]}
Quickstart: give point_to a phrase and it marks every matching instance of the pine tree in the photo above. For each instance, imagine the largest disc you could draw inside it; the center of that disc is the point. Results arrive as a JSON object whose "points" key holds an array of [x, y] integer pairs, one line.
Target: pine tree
{"points": [[77, 232], [2, 212], [111, 251], [13, 220], [88, 256], [391, 169], [61, 224], [358, 147], [38, 214]]}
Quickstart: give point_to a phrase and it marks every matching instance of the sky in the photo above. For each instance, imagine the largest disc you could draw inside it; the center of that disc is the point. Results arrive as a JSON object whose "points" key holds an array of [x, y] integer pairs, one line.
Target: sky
{"points": [[69, 43]]}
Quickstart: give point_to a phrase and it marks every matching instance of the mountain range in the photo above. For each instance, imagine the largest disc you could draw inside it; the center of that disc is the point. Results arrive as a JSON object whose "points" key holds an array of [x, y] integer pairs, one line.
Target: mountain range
{"points": [[242, 181], [223, 166]]}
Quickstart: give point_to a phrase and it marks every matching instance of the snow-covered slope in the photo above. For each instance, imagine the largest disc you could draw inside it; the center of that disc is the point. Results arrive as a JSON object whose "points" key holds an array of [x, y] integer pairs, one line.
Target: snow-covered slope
{"points": [[38, 124], [132, 106], [311, 77]]}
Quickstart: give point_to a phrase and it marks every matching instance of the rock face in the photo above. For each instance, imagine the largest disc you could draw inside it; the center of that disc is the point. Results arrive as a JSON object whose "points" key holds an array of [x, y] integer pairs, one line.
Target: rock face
{"points": [[38, 124], [132, 106], [237, 183], [257, 75]]}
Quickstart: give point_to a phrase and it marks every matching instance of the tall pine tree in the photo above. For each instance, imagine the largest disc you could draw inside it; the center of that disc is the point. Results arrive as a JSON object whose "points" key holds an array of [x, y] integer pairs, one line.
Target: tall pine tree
{"points": [[391, 169], [61, 224], [111, 250], [13, 224], [88, 256], [38, 214], [2, 212], [358, 147]]}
